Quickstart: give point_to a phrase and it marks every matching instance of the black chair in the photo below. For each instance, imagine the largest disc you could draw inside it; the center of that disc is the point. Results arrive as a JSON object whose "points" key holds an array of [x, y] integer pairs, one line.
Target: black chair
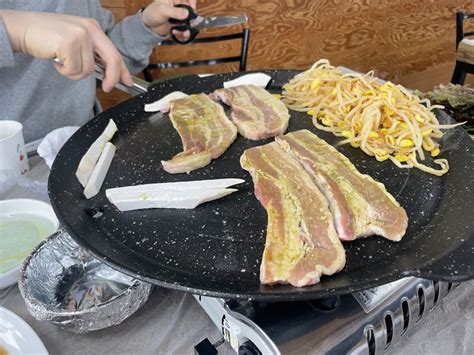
{"points": [[242, 58], [464, 50]]}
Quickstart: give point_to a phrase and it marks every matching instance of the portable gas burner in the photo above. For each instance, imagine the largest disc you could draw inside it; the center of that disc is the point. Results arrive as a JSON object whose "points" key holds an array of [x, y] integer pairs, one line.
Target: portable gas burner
{"points": [[365, 322]]}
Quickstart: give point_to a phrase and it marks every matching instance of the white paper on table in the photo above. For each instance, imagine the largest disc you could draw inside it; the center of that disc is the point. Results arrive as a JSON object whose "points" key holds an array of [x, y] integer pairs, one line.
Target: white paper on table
{"points": [[257, 79], [53, 142], [163, 104]]}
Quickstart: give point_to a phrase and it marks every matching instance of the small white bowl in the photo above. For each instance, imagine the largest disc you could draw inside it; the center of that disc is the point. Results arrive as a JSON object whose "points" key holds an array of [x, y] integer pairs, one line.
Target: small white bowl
{"points": [[24, 206]]}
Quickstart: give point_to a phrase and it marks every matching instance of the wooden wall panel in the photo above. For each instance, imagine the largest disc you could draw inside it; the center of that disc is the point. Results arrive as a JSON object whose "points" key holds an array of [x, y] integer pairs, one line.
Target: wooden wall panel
{"points": [[393, 37], [112, 3], [133, 6], [122, 8], [396, 38]]}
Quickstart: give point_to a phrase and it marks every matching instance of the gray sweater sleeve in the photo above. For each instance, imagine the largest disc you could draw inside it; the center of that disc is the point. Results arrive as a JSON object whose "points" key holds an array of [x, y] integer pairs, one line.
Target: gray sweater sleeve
{"points": [[131, 37], [6, 53]]}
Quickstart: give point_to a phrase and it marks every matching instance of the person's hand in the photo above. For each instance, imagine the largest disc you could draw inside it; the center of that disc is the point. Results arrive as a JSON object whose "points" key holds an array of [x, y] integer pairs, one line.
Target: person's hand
{"points": [[74, 41], [156, 16]]}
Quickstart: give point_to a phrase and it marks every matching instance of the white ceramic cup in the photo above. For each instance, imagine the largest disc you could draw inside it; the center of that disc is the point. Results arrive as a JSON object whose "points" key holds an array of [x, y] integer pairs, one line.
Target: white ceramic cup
{"points": [[12, 148]]}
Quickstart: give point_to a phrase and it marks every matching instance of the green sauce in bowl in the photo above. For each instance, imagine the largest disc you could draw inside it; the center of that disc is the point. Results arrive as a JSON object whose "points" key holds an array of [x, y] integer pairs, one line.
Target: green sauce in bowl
{"points": [[20, 233]]}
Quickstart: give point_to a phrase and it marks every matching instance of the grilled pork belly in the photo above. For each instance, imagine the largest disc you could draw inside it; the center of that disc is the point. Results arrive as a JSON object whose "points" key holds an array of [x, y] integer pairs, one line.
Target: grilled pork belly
{"points": [[256, 113], [301, 242], [360, 205], [205, 132]]}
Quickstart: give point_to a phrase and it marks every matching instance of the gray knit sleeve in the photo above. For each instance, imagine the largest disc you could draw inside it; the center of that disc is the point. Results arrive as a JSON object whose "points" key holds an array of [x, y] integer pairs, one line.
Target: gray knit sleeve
{"points": [[6, 53], [131, 37]]}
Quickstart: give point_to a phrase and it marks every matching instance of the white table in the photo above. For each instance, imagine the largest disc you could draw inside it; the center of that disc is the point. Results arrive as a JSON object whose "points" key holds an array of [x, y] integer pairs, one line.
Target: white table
{"points": [[173, 322]]}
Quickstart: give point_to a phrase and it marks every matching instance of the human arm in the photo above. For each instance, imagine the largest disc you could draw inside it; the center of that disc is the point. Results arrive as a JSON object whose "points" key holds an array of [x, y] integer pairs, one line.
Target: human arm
{"points": [[6, 51], [137, 35], [75, 41]]}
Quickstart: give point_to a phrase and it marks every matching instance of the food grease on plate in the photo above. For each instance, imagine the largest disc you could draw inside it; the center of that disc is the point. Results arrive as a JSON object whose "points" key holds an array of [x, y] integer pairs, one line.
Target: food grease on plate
{"points": [[24, 223]]}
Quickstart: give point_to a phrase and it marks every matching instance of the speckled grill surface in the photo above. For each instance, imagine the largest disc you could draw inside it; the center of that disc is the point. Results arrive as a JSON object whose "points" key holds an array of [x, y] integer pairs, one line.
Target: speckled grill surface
{"points": [[216, 249]]}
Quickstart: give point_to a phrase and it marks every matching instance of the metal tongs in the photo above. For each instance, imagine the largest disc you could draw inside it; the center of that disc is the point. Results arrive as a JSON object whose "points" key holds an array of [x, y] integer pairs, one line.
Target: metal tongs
{"points": [[140, 86]]}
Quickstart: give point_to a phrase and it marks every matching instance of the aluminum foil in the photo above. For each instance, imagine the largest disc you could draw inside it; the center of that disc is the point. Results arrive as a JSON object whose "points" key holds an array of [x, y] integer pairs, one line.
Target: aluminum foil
{"points": [[65, 285]]}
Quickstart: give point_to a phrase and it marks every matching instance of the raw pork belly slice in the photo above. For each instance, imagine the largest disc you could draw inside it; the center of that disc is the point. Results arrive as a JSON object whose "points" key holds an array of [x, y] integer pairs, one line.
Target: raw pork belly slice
{"points": [[256, 113], [205, 132], [360, 205], [301, 243]]}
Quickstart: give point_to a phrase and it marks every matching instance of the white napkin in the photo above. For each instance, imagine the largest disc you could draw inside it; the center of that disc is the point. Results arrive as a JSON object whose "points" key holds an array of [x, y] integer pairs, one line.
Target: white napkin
{"points": [[53, 142], [257, 79], [163, 104]]}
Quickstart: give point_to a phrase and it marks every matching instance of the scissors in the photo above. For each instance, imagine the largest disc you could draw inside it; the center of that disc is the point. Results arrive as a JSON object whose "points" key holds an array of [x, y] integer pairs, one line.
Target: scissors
{"points": [[195, 23]]}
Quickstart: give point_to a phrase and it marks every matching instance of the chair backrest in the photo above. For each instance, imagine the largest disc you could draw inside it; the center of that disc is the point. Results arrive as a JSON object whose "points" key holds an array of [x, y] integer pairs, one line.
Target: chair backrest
{"points": [[243, 35], [460, 34]]}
